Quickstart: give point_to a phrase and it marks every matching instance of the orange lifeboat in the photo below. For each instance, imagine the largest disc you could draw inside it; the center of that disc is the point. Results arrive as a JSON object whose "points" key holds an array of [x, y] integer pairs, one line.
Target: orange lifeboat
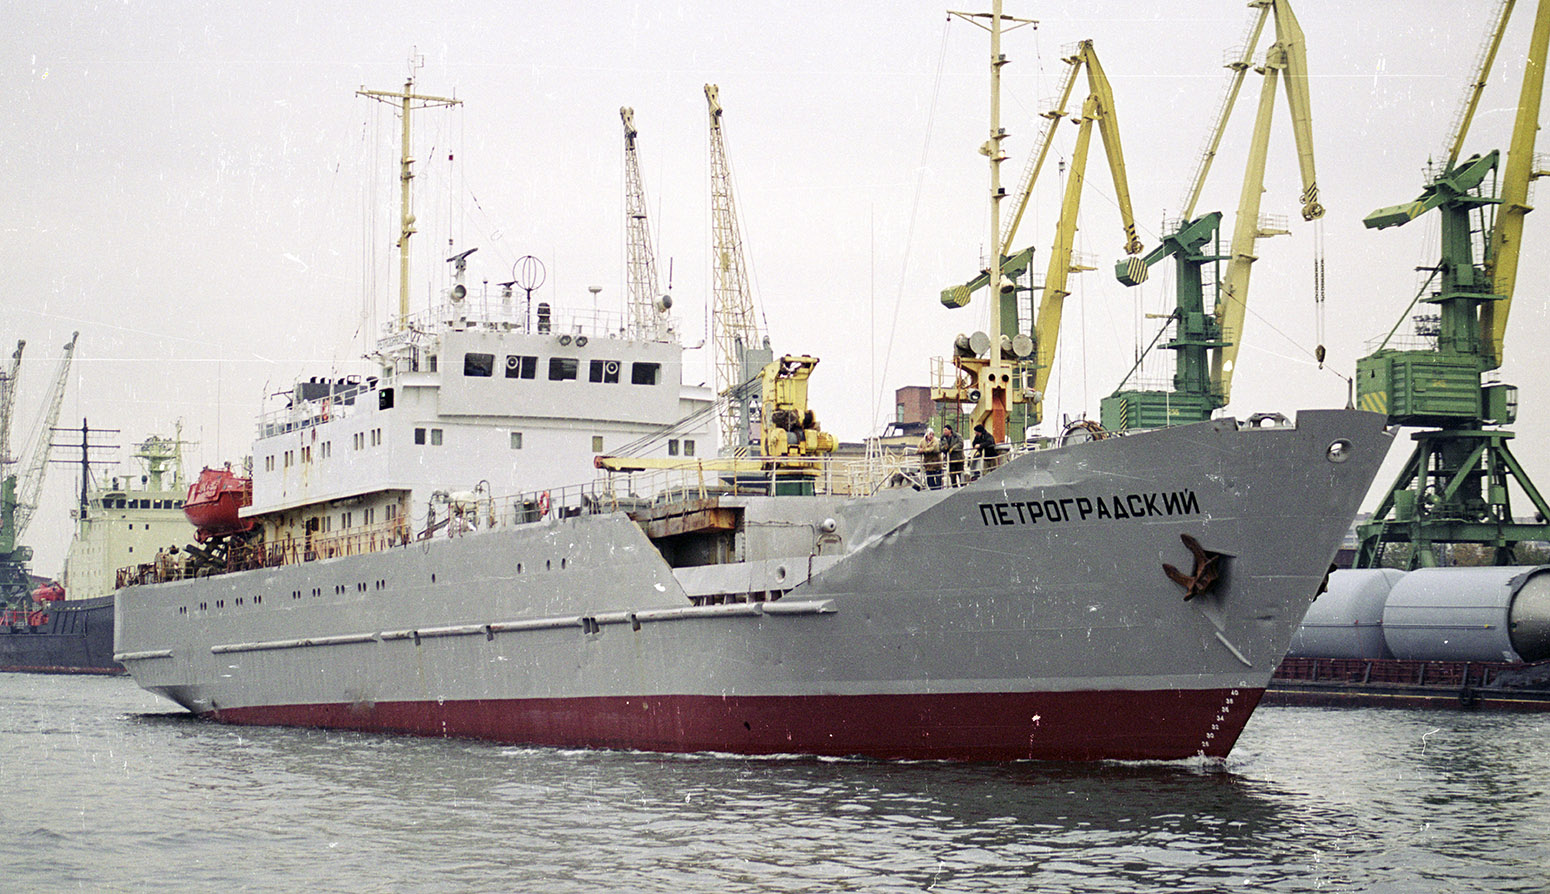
{"points": [[215, 501], [49, 592]]}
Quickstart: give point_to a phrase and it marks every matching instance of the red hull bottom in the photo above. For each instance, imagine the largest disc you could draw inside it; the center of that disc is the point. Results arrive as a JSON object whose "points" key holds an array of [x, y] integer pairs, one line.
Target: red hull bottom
{"points": [[1059, 726]]}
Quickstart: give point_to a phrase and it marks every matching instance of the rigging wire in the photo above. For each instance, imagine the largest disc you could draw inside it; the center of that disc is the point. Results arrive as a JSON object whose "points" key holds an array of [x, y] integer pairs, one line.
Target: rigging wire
{"points": [[909, 238]]}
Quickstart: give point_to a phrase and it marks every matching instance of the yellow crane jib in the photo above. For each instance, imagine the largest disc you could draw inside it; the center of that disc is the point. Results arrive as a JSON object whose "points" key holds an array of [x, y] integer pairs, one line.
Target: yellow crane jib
{"points": [[1506, 243], [1287, 61], [1097, 111]]}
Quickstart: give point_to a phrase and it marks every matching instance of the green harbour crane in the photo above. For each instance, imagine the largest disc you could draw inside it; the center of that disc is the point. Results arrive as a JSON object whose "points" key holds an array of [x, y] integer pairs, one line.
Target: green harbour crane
{"points": [[1206, 341], [1453, 489], [20, 492]]}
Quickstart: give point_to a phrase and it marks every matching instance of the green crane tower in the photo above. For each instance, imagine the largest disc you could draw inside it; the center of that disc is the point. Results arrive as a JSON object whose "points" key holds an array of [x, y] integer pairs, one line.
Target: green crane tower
{"points": [[1207, 342], [1454, 487]]}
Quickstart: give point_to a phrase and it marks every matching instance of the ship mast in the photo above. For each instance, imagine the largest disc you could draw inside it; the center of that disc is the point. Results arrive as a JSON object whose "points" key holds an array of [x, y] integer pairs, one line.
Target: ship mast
{"points": [[408, 101], [996, 377]]}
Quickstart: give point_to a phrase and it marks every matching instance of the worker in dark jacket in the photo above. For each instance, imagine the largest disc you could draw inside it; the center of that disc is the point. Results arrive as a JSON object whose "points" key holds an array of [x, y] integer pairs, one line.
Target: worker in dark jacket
{"points": [[952, 448], [985, 449]]}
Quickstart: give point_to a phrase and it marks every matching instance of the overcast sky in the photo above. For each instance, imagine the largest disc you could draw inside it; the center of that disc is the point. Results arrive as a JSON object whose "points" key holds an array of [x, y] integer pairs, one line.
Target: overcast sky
{"points": [[199, 191]]}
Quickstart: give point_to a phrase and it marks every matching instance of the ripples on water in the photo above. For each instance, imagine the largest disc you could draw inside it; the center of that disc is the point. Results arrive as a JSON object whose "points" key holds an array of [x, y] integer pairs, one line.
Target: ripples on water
{"points": [[107, 789]]}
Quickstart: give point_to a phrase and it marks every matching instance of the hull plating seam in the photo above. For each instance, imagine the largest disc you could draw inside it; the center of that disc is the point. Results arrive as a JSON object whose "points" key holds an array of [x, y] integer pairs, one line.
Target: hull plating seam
{"points": [[585, 622]]}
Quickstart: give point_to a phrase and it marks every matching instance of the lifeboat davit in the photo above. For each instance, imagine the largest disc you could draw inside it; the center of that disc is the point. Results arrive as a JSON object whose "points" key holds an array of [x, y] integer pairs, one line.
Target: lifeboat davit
{"points": [[214, 502]]}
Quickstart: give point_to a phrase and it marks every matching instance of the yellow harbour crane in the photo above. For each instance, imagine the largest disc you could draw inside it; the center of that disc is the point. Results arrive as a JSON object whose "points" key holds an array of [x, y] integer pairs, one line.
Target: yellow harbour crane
{"points": [[1007, 367], [1454, 487]]}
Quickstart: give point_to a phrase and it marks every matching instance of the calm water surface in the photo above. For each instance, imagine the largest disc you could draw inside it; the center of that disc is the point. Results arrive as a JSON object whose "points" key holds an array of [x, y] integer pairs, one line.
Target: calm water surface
{"points": [[108, 788]]}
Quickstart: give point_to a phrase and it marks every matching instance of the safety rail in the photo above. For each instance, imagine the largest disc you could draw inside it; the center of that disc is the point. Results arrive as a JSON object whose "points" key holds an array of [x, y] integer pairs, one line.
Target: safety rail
{"points": [[507, 314], [628, 492], [339, 402]]}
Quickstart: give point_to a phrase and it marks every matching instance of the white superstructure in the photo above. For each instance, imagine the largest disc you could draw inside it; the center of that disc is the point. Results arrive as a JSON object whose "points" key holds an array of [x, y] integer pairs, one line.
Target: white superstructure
{"points": [[127, 520], [466, 403]]}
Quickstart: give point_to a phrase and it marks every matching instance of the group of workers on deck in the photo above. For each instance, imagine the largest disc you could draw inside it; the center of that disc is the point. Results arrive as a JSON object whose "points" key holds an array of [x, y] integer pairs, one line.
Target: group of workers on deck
{"points": [[947, 451]]}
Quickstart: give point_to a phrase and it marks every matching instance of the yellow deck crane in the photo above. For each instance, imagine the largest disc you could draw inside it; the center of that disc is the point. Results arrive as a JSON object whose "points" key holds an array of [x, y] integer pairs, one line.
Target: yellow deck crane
{"points": [[1015, 368], [648, 306], [1207, 343]]}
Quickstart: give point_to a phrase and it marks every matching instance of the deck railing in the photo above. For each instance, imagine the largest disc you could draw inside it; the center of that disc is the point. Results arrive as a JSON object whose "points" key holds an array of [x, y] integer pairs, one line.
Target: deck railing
{"points": [[623, 491]]}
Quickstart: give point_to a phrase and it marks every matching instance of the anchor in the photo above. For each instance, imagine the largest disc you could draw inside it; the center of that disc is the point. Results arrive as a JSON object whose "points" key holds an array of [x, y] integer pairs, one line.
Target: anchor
{"points": [[1203, 576]]}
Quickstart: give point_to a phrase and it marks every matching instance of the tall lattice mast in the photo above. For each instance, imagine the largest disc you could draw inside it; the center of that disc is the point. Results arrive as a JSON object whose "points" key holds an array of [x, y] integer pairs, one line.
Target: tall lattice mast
{"points": [[648, 306], [735, 334]]}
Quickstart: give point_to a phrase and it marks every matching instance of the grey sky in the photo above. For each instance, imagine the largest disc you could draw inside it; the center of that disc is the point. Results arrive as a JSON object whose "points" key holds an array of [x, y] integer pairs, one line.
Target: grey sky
{"points": [[189, 185]]}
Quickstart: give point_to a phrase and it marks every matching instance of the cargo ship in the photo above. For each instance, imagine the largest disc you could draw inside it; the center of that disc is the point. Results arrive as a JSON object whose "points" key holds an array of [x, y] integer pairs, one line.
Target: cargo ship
{"points": [[1446, 637], [125, 518], [518, 528]]}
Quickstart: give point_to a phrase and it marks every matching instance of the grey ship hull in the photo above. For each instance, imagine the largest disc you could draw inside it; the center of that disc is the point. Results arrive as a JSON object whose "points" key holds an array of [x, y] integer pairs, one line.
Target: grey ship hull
{"points": [[1025, 615]]}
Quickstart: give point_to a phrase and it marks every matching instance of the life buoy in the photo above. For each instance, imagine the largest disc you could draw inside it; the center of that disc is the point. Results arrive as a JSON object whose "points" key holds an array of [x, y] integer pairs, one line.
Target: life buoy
{"points": [[543, 504], [326, 407]]}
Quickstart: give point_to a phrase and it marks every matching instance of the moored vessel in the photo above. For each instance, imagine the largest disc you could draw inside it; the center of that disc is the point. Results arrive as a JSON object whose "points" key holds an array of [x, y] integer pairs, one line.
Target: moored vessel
{"points": [[425, 563], [127, 517]]}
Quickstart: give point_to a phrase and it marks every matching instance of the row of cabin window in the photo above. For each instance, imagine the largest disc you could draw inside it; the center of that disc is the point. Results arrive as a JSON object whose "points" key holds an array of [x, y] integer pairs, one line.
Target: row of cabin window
{"points": [[434, 438], [323, 524], [561, 369], [325, 449], [115, 503]]}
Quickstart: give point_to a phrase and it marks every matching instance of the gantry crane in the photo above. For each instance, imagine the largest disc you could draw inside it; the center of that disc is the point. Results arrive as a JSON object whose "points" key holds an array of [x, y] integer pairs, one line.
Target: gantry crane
{"points": [[741, 349], [1207, 343], [1015, 368], [19, 493], [1454, 487], [648, 306]]}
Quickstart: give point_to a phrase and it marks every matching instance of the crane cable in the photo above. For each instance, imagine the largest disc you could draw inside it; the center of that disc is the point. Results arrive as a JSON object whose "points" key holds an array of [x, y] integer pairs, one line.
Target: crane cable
{"points": [[1318, 290], [909, 238]]}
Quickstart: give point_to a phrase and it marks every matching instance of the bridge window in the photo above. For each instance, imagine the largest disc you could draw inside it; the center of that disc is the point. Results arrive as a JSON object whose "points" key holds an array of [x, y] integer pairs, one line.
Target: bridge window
{"points": [[521, 367], [479, 365], [604, 371], [644, 373], [562, 368]]}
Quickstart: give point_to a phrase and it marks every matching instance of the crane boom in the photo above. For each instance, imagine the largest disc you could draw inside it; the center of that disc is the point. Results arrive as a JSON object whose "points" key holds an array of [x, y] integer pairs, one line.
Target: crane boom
{"points": [[1466, 112], [1036, 159], [30, 486], [646, 316], [741, 351], [1240, 67], [8, 404], [1097, 110], [1507, 236], [1290, 54], [1287, 60]]}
